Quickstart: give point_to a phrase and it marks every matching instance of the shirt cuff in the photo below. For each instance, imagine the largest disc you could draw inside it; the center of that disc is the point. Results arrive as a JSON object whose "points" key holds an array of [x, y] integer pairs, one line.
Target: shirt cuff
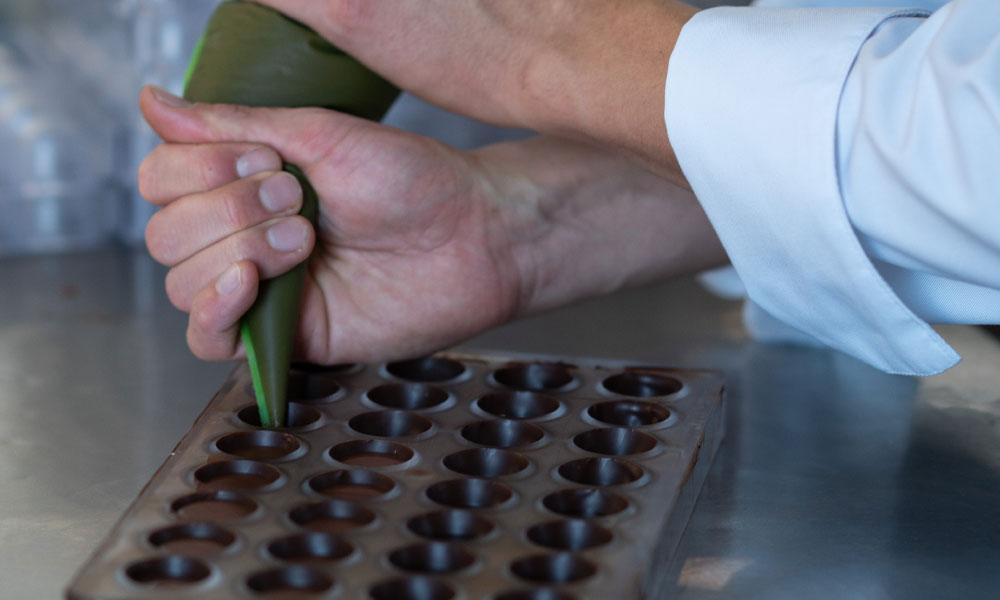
{"points": [[751, 111]]}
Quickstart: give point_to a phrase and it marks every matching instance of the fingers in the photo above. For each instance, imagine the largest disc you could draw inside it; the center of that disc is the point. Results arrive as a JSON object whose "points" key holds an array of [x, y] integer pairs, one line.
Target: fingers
{"points": [[213, 326], [194, 222], [298, 135], [274, 247], [174, 170]]}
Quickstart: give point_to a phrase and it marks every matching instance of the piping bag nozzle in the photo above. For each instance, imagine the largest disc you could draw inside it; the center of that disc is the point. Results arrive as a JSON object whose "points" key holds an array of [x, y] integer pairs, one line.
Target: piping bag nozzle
{"points": [[253, 55]]}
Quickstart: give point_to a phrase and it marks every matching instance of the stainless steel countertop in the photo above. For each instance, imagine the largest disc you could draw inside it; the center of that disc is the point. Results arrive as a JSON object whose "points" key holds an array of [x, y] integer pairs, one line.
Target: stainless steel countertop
{"points": [[835, 481]]}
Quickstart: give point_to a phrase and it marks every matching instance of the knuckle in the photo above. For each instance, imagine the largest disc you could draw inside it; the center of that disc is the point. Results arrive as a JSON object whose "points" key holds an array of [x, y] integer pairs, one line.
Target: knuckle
{"points": [[349, 15], [195, 343], [146, 177], [176, 291], [157, 241], [231, 213]]}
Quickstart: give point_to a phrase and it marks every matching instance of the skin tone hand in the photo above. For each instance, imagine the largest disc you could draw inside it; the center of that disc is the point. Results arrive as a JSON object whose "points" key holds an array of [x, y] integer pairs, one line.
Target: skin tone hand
{"points": [[419, 246], [585, 69]]}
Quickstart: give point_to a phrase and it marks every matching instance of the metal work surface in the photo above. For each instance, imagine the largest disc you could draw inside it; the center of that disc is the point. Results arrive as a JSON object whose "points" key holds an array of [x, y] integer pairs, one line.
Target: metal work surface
{"points": [[835, 481], [490, 473]]}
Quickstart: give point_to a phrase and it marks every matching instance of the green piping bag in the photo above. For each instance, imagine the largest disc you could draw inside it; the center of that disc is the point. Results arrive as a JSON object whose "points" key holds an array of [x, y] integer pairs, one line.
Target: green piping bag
{"points": [[253, 55]]}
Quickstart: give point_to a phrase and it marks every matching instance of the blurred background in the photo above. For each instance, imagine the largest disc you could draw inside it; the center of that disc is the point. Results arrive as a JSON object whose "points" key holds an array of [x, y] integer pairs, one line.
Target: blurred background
{"points": [[71, 136]]}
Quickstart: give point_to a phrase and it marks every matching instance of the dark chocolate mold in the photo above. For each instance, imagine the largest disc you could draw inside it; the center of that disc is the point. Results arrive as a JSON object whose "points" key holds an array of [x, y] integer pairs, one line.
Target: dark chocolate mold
{"points": [[407, 396], [193, 539], [213, 506], [300, 416], [469, 493], [411, 588], [451, 524], [502, 433], [432, 557], [562, 567], [600, 471], [332, 516], [518, 404], [173, 570], [615, 441], [371, 453], [429, 369], [259, 445], [642, 385], [295, 578], [310, 547], [569, 534], [585, 503], [236, 475], [486, 462], [535, 377], [390, 423], [352, 484], [470, 479], [629, 413]]}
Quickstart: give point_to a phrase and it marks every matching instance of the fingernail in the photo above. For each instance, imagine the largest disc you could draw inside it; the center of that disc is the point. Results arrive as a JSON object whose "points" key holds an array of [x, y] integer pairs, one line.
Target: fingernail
{"points": [[256, 161], [287, 235], [229, 281], [280, 192], [169, 99]]}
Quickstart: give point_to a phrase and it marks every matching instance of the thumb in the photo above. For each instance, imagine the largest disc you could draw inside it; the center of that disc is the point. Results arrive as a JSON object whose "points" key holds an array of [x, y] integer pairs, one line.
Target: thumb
{"points": [[287, 130]]}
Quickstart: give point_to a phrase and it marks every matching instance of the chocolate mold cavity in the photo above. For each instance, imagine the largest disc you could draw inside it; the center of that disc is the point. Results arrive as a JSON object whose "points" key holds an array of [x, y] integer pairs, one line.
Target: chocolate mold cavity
{"points": [[310, 547], [586, 503], [430, 369], [432, 557], [332, 516], [553, 568], [352, 484], [502, 433], [615, 441], [193, 539], [371, 453], [570, 535], [312, 388], [486, 462], [390, 423], [642, 385], [469, 493], [600, 471], [518, 404], [286, 581], [170, 570], [407, 396], [450, 524], [259, 445], [213, 506], [535, 377], [300, 416], [339, 369], [629, 413], [236, 475], [411, 588]]}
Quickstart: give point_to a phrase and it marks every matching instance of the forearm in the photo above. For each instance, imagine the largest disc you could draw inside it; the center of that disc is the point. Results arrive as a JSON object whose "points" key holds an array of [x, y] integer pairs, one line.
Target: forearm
{"points": [[602, 80], [584, 221]]}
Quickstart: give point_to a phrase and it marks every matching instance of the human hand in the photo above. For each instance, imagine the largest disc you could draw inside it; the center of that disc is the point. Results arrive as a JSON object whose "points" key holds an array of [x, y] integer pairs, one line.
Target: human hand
{"points": [[407, 256], [418, 246], [587, 69]]}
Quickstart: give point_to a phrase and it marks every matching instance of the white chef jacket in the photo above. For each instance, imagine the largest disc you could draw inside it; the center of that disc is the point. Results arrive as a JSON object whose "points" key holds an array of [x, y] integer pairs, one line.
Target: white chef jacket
{"points": [[849, 159]]}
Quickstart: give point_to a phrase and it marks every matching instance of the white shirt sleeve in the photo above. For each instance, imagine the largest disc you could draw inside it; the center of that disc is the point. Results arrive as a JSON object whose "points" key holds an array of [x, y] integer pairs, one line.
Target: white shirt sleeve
{"points": [[850, 161]]}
